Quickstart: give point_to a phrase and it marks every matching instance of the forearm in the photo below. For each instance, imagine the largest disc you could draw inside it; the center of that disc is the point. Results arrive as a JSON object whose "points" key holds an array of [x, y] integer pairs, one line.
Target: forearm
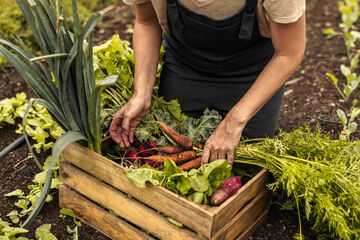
{"points": [[289, 41], [274, 75], [146, 42]]}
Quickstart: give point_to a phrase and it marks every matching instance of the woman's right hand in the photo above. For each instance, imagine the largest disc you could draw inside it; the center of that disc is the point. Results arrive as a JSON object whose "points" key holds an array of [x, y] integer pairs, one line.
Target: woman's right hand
{"points": [[123, 125]]}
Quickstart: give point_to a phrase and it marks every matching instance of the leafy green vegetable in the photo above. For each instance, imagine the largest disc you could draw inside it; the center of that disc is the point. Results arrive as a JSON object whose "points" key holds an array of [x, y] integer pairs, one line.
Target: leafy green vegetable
{"points": [[27, 202], [39, 124], [149, 130], [116, 57], [43, 233], [196, 185], [68, 212], [8, 233], [198, 130]]}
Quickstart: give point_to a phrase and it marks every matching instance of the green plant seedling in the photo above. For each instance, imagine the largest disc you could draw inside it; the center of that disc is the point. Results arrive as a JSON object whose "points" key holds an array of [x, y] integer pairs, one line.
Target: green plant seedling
{"points": [[349, 124]]}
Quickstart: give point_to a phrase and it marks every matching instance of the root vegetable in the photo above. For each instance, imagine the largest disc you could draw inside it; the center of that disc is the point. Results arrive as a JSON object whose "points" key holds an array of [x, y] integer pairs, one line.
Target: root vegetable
{"points": [[199, 145], [178, 158], [195, 163], [225, 190], [132, 155], [169, 150], [152, 163], [146, 149], [183, 141]]}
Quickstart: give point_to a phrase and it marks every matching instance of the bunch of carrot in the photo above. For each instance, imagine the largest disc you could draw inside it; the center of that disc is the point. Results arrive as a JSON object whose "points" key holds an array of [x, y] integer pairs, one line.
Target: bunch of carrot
{"points": [[183, 154]]}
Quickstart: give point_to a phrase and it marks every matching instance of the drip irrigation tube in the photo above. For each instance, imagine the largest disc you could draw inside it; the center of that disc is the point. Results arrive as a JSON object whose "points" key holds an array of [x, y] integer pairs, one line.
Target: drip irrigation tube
{"points": [[321, 119], [11, 147]]}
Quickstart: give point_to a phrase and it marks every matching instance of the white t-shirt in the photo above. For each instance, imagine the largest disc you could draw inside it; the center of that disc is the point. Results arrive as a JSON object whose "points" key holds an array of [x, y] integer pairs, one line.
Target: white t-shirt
{"points": [[280, 11]]}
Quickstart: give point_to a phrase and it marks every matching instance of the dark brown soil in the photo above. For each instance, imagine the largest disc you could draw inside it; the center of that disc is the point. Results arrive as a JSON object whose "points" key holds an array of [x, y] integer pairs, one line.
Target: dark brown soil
{"points": [[309, 95]]}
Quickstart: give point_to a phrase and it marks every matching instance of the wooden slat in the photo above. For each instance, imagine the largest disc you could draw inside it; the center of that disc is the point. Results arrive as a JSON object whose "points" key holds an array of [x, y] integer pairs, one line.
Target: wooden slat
{"points": [[254, 226], [243, 220], [97, 217], [252, 188], [169, 203], [128, 208]]}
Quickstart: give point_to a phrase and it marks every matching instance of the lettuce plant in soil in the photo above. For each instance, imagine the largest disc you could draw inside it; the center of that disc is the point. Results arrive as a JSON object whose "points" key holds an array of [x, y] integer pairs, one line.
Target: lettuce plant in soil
{"points": [[68, 92]]}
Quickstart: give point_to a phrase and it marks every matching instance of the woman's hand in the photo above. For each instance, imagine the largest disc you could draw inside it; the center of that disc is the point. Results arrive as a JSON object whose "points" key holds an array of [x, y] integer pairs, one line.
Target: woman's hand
{"points": [[123, 125], [223, 141]]}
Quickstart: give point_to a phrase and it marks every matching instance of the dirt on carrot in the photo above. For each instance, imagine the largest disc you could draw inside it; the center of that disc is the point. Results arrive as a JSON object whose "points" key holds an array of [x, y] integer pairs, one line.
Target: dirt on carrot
{"points": [[192, 164], [169, 150], [183, 141], [177, 158]]}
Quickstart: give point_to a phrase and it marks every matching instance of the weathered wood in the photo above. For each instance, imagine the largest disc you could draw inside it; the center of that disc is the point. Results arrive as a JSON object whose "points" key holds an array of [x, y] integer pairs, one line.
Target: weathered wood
{"points": [[255, 225], [97, 217], [226, 211], [195, 217], [128, 208], [243, 220]]}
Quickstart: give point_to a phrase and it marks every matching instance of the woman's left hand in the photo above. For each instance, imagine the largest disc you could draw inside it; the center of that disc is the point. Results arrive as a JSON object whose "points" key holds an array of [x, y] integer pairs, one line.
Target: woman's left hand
{"points": [[223, 142]]}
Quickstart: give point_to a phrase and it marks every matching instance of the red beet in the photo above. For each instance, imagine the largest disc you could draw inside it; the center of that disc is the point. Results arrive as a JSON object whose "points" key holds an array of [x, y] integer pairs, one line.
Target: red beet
{"points": [[225, 190]]}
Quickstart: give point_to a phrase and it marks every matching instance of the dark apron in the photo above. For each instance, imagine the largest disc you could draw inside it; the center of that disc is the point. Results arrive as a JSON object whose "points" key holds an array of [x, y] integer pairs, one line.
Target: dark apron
{"points": [[212, 64]]}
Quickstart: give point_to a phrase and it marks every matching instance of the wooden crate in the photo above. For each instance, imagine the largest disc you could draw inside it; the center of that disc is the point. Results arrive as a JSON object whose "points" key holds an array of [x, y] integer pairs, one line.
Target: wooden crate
{"points": [[93, 183]]}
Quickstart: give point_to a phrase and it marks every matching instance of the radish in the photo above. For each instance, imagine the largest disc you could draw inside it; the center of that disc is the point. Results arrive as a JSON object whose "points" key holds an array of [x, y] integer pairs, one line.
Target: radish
{"points": [[225, 190], [145, 149], [152, 163], [132, 155]]}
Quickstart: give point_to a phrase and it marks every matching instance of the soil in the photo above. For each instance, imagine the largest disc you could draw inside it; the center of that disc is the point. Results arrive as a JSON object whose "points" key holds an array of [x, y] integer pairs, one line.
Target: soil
{"points": [[309, 95]]}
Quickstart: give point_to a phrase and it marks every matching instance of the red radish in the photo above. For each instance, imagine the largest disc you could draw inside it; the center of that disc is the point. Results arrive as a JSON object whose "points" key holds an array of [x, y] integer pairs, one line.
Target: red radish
{"points": [[143, 149], [152, 163], [132, 154], [152, 144], [225, 190]]}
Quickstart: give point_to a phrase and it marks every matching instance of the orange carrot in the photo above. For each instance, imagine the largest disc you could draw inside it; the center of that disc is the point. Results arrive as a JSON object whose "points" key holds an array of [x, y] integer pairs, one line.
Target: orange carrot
{"points": [[195, 163], [178, 138], [169, 150], [199, 145], [179, 157]]}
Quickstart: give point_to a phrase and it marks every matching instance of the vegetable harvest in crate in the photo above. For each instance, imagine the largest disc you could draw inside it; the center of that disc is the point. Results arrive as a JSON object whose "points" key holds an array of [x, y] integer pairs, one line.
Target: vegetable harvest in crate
{"points": [[321, 175]]}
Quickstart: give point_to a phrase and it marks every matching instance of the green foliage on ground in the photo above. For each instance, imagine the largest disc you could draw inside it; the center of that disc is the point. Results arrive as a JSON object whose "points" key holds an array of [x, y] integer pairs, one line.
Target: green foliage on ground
{"points": [[12, 21], [39, 124]]}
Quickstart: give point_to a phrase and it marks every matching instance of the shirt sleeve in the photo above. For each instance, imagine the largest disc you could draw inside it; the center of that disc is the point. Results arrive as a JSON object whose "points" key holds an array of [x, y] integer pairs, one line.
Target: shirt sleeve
{"points": [[284, 11], [132, 2]]}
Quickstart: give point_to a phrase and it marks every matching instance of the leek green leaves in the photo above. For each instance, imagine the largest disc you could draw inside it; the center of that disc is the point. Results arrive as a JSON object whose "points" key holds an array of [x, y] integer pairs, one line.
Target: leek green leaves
{"points": [[72, 99]]}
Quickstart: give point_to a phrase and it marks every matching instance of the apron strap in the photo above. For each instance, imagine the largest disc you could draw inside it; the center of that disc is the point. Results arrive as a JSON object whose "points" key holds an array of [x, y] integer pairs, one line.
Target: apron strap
{"points": [[248, 20], [172, 10]]}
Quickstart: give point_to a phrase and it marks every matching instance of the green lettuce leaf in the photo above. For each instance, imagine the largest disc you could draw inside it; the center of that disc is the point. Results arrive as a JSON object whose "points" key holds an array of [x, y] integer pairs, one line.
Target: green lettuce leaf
{"points": [[143, 175], [196, 185]]}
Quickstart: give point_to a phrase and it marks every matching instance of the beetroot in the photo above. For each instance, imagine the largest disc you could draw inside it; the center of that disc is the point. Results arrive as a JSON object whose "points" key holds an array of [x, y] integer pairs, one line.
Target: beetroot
{"points": [[225, 190]]}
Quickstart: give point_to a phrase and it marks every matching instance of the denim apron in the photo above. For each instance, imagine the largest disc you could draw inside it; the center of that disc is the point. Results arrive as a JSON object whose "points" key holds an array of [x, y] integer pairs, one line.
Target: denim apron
{"points": [[212, 63]]}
